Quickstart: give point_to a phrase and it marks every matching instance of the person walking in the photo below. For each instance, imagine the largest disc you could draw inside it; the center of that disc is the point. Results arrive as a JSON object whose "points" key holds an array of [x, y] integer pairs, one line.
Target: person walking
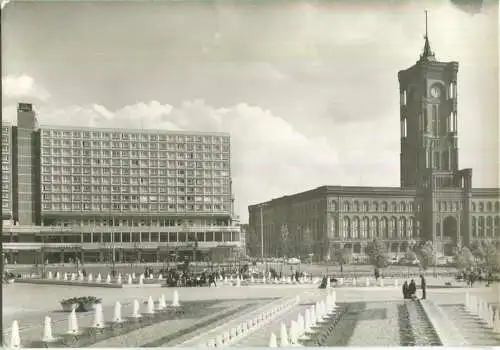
{"points": [[423, 286]]}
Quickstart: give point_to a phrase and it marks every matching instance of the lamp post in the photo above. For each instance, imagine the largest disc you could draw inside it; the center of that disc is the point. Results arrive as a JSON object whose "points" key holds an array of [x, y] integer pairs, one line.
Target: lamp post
{"points": [[411, 243]]}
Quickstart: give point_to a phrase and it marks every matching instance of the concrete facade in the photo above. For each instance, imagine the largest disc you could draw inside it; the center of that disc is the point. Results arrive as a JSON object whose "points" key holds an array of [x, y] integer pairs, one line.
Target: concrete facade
{"points": [[435, 202], [134, 194]]}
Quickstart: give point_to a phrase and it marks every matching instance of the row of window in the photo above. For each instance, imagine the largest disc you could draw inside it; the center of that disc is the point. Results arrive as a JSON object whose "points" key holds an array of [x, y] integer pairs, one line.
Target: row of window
{"points": [[356, 206], [138, 172], [152, 176], [55, 145], [132, 198], [145, 237], [365, 206], [134, 207], [153, 190], [150, 222], [120, 159], [485, 207], [130, 180], [75, 163], [140, 136]]}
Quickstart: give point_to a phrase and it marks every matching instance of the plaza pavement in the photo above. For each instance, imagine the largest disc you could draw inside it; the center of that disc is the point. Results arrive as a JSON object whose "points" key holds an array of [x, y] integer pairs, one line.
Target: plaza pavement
{"points": [[29, 304]]}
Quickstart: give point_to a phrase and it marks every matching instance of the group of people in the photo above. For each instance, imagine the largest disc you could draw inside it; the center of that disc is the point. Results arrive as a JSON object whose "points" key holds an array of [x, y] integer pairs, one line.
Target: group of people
{"points": [[410, 289], [471, 276]]}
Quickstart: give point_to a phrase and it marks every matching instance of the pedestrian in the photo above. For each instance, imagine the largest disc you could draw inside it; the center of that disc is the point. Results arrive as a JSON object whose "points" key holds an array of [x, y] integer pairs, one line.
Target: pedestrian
{"points": [[405, 290], [412, 289], [423, 286]]}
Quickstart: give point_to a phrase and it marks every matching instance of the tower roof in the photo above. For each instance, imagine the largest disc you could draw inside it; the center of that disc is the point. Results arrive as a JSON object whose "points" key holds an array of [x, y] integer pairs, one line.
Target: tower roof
{"points": [[427, 55]]}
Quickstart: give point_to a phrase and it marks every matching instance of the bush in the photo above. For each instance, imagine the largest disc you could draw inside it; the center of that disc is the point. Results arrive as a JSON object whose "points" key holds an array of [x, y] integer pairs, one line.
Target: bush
{"points": [[82, 302]]}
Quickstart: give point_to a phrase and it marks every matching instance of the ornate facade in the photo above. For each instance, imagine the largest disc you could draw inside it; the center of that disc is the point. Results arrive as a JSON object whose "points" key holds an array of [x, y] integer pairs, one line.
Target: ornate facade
{"points": [[435, 201]]}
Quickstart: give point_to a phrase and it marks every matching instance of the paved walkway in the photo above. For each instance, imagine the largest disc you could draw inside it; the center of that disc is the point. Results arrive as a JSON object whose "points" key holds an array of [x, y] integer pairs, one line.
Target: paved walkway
{"points": [[30, 303], [377, 326]]}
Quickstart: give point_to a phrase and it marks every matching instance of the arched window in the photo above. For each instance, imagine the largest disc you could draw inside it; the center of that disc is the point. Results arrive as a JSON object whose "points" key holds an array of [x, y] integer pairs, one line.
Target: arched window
{"points": [[384, 207], [481, 207], [402, 227], [347, 206], [394, 207], [402, 207], [473, 207], [489, 226], [365, 226], [474, 226], [392, 227], [374, 227], [375, 206], [481, 226], [435, 127], [366, 206], [333, 205], [410, 227], [497, 207], [384, 227], [355, 227], [489, 207], [356, 206], [346, 228]]}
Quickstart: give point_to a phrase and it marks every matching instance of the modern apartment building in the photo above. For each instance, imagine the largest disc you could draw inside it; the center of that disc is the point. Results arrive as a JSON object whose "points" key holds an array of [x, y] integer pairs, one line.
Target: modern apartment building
{"points": [[435, 201], [86, 193]]}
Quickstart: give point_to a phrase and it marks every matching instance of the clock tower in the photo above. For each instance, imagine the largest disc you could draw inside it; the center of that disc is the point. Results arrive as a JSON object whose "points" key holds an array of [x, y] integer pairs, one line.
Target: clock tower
{"points": [[429, 150], [428, 115]]}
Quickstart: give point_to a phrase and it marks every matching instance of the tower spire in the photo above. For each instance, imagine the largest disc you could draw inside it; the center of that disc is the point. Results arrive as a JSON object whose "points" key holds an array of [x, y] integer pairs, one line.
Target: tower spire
{"points": [[427, 55]]}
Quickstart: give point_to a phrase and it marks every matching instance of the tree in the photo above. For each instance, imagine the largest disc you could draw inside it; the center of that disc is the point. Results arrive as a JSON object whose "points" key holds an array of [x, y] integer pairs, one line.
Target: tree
{"points": [[478, 250], [491, 256], [340, 256], [426, 255], [377, 253], [464, 258]]}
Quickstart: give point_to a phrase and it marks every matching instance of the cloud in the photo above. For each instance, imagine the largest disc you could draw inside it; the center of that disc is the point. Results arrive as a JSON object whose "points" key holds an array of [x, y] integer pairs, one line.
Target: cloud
{"points": [[23, 87]]}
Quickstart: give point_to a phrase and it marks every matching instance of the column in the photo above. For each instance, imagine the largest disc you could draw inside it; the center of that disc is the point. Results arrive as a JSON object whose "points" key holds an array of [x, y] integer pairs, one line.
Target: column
{"points": [[139, 255], [120, 255], [158, 255], [61, 256], [82, 257], [101, 256]]}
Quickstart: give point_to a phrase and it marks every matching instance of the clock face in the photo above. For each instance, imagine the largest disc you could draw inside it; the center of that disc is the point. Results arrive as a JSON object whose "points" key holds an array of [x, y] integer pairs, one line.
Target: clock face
{"points": [[435, 91]]}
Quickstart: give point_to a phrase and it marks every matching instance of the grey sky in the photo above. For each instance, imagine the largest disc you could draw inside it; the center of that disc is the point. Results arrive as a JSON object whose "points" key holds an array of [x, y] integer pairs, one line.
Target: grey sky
{"points": [[308, 90]]}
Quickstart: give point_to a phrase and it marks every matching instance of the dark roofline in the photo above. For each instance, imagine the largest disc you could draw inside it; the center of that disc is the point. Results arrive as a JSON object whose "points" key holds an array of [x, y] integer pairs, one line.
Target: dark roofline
{"points": [[342, 190]]}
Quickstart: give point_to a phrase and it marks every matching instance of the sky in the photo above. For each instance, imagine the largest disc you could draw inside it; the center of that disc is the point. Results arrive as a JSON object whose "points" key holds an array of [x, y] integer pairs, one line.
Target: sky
{"points": [[308, 90]]}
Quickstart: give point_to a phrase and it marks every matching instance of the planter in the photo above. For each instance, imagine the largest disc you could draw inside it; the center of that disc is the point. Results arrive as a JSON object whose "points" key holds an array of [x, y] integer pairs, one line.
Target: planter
{"points": [[68, 307], [86, 306]]}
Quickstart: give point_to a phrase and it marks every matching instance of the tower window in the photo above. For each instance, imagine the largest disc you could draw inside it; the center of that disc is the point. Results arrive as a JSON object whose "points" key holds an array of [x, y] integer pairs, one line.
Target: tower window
{"points": [[435, 128], [436, 160]]}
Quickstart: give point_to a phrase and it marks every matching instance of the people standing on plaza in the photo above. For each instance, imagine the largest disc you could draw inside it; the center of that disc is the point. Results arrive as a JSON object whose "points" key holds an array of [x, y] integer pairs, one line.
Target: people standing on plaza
{"points": [[412, 289], [405, 290], [376, 273], [423, 286]]}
